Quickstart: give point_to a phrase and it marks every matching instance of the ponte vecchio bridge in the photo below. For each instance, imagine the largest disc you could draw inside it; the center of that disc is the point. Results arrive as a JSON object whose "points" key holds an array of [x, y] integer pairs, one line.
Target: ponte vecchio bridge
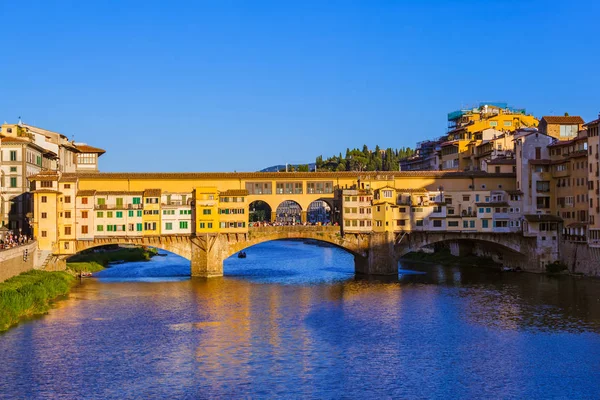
{"points": [[204, 217]]}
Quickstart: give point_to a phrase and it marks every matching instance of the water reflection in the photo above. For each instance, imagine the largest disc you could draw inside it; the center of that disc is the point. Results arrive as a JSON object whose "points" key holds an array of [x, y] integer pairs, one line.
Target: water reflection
{"points": [[432, 332]]}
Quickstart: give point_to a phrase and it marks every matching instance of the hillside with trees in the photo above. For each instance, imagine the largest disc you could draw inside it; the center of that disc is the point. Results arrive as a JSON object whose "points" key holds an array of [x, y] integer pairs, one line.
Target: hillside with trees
{"points": [[365, 160]]}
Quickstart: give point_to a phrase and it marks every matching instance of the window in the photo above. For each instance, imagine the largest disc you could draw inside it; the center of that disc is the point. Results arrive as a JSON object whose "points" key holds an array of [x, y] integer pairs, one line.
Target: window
{"points": [[151, 200], [99, 228], [149, 226], [130, 213], [183, 224], [67, 186], [84, 229], [86, 158], [67, 214], [466, 197], [319, 187], [13, 169], [137, 200], [568, 130], [44, 234], [465, 224], [472, 224], [542, 186], [138, 227], [100, 214], [387, 193], [119, 214], [84, 200], [13, 155], [67, 230], [476, 197], [453, 224], [484, 223], [46, 184], [44, 215], [493, 123], [419, 222], [109, 214], [206, 211], [169, 226], [507, 123], [538, 153], [437, 223], [139, 213], [210, 225], [67, 199], [13, 182], [481, 210], [66, 245], [101, 201]]}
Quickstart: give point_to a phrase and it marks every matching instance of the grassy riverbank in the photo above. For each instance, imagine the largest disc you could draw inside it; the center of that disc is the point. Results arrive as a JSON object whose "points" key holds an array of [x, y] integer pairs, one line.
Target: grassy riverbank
{"points": [[30, 294], [444, 257], [97, 261]]}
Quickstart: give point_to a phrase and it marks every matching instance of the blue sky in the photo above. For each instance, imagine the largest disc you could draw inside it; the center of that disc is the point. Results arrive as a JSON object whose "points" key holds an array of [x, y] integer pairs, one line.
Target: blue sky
{"points": [[242, 85]]}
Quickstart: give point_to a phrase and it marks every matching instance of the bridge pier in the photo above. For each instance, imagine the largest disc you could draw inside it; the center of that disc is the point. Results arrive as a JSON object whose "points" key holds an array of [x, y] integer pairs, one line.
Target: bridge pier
{"points": [[380, 258], [207, 256]]}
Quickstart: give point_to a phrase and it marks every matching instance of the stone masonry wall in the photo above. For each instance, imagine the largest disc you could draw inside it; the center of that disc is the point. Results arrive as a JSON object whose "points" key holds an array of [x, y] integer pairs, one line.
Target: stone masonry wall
{"points": [[12, 261], [580, 258]]}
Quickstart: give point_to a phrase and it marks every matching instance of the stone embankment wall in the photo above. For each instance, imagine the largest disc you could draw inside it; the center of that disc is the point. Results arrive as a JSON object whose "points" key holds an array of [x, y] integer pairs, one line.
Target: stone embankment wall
{"points": [[13, 262], [580, 259]]}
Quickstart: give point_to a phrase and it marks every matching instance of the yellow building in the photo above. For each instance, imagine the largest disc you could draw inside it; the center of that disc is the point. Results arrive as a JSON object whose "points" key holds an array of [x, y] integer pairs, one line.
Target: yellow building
{"points": [[468, 128], [233, 211], [83, 207], [206, 200]]}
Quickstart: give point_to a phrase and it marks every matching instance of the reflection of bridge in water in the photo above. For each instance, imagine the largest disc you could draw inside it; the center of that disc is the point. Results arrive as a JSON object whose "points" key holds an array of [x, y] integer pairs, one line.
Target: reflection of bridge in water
{"points": [[374, 253]]}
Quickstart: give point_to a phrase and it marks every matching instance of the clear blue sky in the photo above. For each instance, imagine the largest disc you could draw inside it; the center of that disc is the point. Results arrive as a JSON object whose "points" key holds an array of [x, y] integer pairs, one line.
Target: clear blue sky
{"points": [[241, 85]]}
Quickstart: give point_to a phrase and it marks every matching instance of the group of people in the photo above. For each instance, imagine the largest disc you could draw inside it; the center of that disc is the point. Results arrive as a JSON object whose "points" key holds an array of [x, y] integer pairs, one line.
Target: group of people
{"points": [[14, 240], [291, 223]]}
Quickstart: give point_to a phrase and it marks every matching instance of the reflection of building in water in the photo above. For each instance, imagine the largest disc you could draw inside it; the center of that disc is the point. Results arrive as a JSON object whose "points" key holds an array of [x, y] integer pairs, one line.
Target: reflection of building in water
{"points": [[319, 211], [289, 211]]}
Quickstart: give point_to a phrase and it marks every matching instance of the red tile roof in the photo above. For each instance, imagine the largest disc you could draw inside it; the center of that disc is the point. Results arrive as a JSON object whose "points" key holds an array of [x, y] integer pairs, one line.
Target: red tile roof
{"points": [[556, 119], [84, 148], [282, 175]]}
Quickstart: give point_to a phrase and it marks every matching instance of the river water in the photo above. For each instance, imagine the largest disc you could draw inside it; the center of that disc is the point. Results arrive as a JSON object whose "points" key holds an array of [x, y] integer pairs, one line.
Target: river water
{"points": [[291, 321]]}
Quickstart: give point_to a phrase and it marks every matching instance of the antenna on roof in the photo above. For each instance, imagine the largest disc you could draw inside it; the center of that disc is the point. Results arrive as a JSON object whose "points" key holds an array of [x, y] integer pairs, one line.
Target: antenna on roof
{"points": [[20, 122]]}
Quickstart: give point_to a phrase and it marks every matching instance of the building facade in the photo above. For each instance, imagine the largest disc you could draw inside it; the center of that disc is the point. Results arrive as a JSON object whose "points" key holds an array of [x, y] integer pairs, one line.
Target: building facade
{"points": [[26, 151]]}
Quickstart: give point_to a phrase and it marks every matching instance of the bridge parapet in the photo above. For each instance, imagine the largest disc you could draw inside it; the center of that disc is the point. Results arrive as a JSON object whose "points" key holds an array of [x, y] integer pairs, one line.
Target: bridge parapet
{"points": [[294, 228]]}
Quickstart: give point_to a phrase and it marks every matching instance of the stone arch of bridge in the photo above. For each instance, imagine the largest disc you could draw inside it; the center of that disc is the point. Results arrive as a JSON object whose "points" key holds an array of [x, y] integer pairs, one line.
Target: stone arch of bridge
{"points": [[176, 245], [353, 247], [494, 245]]}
